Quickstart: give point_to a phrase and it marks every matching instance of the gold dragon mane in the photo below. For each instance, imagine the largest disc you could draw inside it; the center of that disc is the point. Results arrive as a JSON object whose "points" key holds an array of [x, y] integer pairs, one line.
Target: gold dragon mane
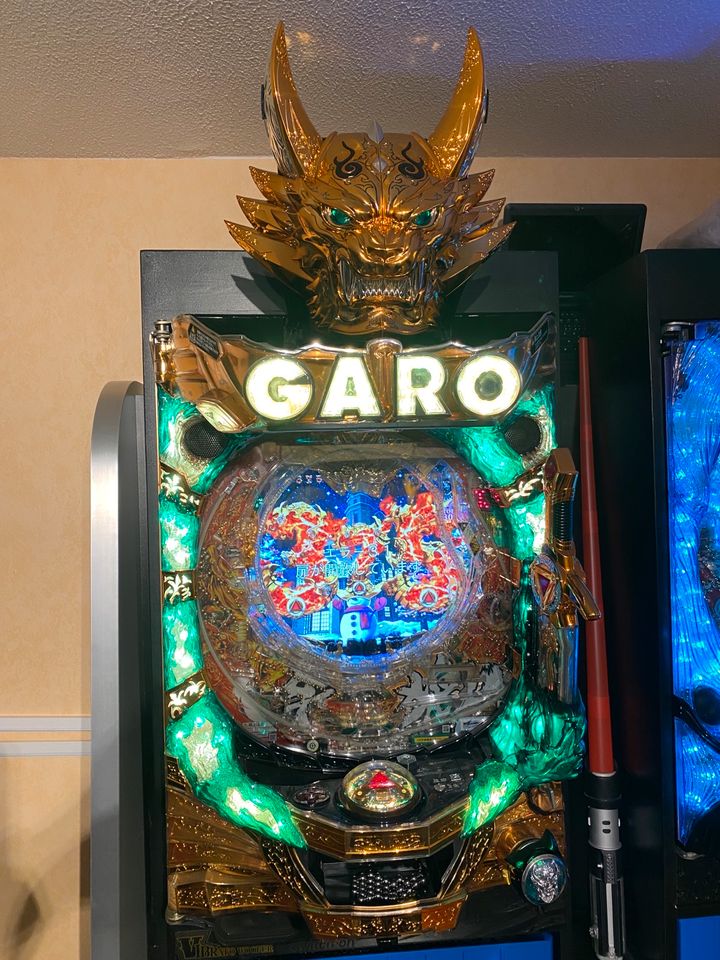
{"points": [[375, 228]]}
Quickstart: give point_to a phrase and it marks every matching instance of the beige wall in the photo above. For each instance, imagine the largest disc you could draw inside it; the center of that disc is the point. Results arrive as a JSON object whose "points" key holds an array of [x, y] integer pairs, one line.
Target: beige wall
{"points": [[70, 232]]}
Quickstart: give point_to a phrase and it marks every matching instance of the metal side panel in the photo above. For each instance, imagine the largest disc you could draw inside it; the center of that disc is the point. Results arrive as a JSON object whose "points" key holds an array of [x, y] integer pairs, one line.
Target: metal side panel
{"points": [[117, 548]]}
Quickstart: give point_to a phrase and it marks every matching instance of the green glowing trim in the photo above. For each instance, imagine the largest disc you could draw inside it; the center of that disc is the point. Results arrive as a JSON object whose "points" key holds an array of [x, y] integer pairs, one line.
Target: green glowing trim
{"points": [[486, 448], [201, 740], [179, 531], [544, 740], [181, 642], [535, 739], [494, 788], [202, 743], [526, 523], [173, 413]]}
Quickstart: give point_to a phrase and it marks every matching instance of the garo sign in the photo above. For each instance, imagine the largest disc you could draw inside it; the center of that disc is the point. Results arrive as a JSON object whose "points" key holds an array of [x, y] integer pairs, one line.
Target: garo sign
{"points": [[240, 385]]}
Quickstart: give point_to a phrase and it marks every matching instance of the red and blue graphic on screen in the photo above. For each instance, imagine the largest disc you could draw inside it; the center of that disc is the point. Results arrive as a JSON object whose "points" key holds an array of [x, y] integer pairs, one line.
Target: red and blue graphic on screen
{"points": [[363, 574]]}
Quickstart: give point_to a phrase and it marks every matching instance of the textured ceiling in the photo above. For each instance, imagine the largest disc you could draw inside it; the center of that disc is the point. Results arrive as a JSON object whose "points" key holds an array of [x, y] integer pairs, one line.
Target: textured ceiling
{"points": [[181, 77]]}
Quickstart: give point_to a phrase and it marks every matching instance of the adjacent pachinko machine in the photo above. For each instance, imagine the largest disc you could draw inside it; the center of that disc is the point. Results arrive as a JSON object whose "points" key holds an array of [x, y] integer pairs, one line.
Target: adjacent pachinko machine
{"points": [[658, 489], [358, 633]]}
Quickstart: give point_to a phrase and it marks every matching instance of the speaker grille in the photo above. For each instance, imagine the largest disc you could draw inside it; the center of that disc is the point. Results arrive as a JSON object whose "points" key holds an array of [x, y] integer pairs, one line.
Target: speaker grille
{"points": [[373, 887], [204, 441], [523, 435]]}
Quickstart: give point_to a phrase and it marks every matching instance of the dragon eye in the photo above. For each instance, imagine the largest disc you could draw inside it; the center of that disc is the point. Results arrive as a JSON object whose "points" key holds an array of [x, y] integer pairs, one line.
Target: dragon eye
{"points": [[426, 217], [338, 217]]}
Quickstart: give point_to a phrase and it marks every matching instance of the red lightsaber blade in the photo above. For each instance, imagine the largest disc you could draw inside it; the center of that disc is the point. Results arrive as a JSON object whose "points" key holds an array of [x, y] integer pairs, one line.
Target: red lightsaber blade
{"points": [[603, 789]]}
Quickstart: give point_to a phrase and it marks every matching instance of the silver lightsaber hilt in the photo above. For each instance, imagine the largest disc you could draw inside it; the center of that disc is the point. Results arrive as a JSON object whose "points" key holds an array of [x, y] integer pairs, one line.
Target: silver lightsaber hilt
{"points": [[607, 903]]}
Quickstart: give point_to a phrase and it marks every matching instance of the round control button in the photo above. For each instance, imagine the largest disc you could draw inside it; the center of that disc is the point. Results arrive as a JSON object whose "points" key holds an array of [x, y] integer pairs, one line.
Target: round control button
{"points": [[379, 790]]}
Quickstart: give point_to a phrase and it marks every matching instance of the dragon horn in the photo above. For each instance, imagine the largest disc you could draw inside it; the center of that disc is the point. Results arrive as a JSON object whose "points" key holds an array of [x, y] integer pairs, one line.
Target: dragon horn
{"points": [[295, 141], [455, 138]]}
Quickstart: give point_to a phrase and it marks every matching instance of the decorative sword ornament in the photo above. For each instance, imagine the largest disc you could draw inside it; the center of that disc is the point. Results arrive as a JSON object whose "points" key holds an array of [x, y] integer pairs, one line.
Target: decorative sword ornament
{"points": [[603, 787]]}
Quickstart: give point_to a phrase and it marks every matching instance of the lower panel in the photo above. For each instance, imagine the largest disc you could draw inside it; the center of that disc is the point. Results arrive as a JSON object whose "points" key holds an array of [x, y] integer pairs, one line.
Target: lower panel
{"points": [[699, 937], [198, 946]]}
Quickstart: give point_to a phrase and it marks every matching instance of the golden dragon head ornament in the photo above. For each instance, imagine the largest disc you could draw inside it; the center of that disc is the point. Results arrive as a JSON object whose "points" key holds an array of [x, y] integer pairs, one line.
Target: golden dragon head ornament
{"points": [[377, 228]]}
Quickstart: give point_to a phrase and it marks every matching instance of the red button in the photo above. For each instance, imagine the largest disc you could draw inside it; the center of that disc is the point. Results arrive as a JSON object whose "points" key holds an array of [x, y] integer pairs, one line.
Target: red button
{"points": [[379, 780]]}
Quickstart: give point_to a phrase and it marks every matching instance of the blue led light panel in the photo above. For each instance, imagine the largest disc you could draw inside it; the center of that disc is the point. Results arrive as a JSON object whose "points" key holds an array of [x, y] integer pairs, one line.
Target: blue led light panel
{"points": [[693, 429]]}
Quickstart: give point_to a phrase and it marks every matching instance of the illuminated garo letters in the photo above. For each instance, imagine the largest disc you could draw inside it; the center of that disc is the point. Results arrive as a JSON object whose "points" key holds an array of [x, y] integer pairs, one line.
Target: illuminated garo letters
{"points": [[238, 384], [487, 385], [278, 388], [350, 391], [418, 381]]}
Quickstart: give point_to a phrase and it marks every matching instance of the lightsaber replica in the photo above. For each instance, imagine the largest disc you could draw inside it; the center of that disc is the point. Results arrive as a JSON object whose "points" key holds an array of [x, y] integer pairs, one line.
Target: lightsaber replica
{"points": [[603, 788]]}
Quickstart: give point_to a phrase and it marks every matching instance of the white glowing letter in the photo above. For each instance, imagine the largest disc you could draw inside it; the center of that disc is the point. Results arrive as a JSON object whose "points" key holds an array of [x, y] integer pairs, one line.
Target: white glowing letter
{"points": [[488, 385], [419, 380], [350, 390], [278, 388]]}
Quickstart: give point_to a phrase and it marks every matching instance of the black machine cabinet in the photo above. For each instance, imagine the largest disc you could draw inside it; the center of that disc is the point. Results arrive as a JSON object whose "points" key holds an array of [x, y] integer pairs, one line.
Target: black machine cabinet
{"points": [[640, 313], [226, 290]]}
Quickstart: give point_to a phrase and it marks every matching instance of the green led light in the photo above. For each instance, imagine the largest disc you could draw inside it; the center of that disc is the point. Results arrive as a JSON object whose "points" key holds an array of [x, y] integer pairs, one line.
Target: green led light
{"points": [[535, 739], [181, 642], [486, 448], [202, 743], [201, 740], [178, 536], [494, 788], [172, 411], [540, 737], [526, 521], [173, 414]]}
